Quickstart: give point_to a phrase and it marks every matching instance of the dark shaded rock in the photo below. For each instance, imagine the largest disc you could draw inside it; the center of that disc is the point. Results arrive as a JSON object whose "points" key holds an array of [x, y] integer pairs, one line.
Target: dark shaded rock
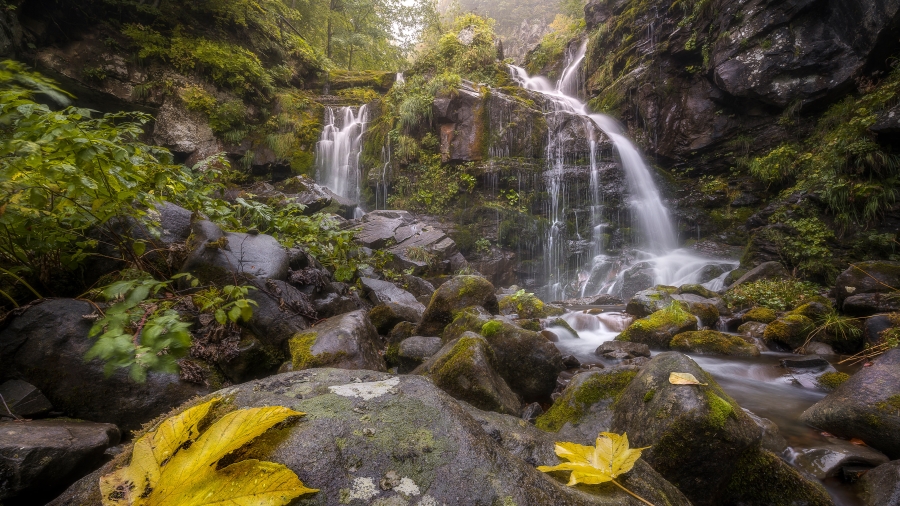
{"points": [[453, 296], [771, 435], [806, 371], [40, 457], [281, 312], [881, 486], [337, 301], [753, 330], [386, 316], [571, 362], [499, 267], [865, 278], [45, 346], [867, 304], [877, 324], [526, 360], [466, 369], [412, 352], [348, 341], [624, 348], [791, 331], [635, 279], [817, 348], [705, 310], [767, 270], [867, 406], [382, 292], [253, 360], [217, 256], [713, 342], [532, 412], [23, 399], [827, 460], [417, 286]]}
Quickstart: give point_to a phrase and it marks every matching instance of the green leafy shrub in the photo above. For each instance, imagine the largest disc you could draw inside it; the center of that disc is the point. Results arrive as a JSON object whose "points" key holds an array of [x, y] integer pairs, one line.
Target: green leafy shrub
{"points": [[780, 295]]}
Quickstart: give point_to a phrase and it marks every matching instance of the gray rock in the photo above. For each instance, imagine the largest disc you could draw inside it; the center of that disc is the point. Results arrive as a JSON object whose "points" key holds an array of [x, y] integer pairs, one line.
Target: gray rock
{"points": [[827, 460], [386, 316], [806, 371], [415, 430], [647, 302], [457, 294], [877, 324], [282, 311], [338, 301], [867, 304], [41, 456], [217, 256], [754, 330], [466, 369], [865, 406], [881, 486], [23, 399], [866, 278], [817, 348], [705, 309], [412, 352], [382, 292], [184, 131], [348, 341], [532, 412], [631, 350], [771, 435], [767, 270], [45, 346]]}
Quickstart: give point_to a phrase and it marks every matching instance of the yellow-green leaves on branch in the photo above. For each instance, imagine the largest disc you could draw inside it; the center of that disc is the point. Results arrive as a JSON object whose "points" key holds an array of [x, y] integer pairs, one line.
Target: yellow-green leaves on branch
{"points": [[176, 464], [684, 378], [592, 465]]}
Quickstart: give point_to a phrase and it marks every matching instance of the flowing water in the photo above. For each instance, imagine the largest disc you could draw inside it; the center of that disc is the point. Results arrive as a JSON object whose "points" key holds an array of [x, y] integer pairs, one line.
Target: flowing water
{"points": [[339, 151]]}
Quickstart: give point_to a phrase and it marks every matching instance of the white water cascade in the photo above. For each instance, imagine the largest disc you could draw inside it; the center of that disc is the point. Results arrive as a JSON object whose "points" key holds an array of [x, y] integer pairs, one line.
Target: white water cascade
{"points": [[339, 151], [656, 254]]}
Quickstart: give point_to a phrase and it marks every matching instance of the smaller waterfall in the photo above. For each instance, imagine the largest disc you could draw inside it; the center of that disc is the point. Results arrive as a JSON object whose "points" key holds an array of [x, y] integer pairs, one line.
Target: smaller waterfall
{"points": [[339, 151]]}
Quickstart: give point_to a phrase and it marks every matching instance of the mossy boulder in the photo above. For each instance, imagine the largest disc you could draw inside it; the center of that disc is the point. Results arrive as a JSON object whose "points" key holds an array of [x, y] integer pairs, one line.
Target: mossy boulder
{"points": [[658, 329], [527, 305], [465, 369], [649, 301], [698, 436], [812, 310], [585, 407], [362, 425], [348, 341], [712, 342], [791, 331], [877, 276], [526, 360], [762, 478], [453, 296], [471, 319], [866, 406], [698, 290], [705, 310], [760, 315], [386, 316]]}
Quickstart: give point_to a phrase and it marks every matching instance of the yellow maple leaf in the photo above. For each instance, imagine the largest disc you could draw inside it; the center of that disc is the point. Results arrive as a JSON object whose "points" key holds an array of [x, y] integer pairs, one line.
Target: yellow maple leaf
{"points": [[684, 378], [592, 465], [176, 464]]}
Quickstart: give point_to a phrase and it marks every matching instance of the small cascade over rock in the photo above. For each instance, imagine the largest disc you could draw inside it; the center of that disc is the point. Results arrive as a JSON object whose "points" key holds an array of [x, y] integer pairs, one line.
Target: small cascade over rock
{"points": [[339, 150]]}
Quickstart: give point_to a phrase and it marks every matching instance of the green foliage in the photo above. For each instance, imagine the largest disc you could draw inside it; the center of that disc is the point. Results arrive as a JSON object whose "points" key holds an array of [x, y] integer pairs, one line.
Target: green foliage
{"points": [[780, 295], [227, 304], [803, 242], [483, 245], [429, 188], [552, 47], [359, 95]]}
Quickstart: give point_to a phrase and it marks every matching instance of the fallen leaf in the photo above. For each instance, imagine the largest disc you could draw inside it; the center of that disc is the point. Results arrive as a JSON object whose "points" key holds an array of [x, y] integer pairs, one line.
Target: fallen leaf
{"points": [[858, 442], [827, 434], [684, 378]]}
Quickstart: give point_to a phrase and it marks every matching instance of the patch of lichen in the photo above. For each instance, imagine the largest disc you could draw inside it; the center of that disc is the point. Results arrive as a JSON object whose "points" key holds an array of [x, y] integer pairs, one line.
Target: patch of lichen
{"points": [[575, 401], [710, 341], [759, 314], [791, 330], [648, 396], [782, 484]]}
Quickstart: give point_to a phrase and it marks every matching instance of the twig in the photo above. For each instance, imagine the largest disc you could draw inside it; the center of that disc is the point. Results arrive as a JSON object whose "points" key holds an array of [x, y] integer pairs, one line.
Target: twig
{"points": [[15, 416], [137, 335], [632, 494]]}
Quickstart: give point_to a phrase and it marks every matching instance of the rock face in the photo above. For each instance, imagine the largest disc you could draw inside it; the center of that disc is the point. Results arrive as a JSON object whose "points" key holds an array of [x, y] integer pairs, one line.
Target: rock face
{"points": [[421, 435], [348, 341], [219, 256], [41, 456], [417, 349], [46, 345], [712, 342], [867, 278], [415, 245], [867, 406], [703, 441], [882, 484], [455, 295], [183, 131], [465, 369]]}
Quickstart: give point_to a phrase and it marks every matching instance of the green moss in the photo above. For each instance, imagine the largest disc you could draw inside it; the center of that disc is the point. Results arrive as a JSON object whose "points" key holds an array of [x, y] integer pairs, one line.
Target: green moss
{"points": [[760, 314], [673, 317], [763, 478], [719, 410], [302, 356], [791, 330], [392, 355], [698, 290], [649, 395], [490, 328], [832, 380], [574, 402], [710, 341], [559, 322], [891, 405], [532, 325], [527, 305]]}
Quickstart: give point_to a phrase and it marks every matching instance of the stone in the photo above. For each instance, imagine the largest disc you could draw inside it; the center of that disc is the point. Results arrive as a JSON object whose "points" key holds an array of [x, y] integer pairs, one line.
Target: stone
{"points": [[23, 399], [817, 348], [348, 341], [813, 310], [698, 290], [571, 362], [767, 270], [466, 369], [417, 286], [217, 256], [703, 441], [867, 406], [647, 302], [827, 460], [387, 316], [183, 131], [532, 412], [46, 345], [876, 325], [625, 348], [281, 312], [759, 315], [382, 292], [790, 331], [881, 486], [872, 277], [753, 330], [806, 371], [637, 278], [658, 329], [771, 435], [868, 304], [40, 457], [526, 360], [527, 305], [412, 352], [704, 309], [453, 296], [713, 342]]}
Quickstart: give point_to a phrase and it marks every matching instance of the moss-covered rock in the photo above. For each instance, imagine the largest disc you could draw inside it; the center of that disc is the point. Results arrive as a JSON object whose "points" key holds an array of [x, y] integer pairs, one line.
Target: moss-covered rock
{"points": [[471, 319], [791, 331], [526, 360], [760, 314], [454, 296], [348, 341], [401, 331], [712, 342], [584, 408], [704, 309], [651, 300], [812, 310], [658, 329], [762, 478], [465, 369], [527, 305], [832, 380], [698, 290], [386, 316]]}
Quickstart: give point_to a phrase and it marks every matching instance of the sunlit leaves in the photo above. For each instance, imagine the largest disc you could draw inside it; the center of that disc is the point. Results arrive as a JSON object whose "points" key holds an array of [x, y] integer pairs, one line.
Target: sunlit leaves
{"points": [[684, 378]]}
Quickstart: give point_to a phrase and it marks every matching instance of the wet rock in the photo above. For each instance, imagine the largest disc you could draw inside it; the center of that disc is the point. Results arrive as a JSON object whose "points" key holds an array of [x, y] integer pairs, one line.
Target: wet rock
{"points": [[881, 486], [571, 362], [338, 302], [622, 350], [638, 278], [42, 456], [386, 316], [532, 412], [771, 435], [703, 441], [767, 270], [877, 324], [827, 460], [760, 315], [466, 369], [183, 131], [417, 286], [527, 305], [217, 257], [877, 276], [817, 348], [699, 290], [791, 331], [457, 294], [23, 399], [584, 409], [527, 361], [499, 266], [45, 346], [412, 352], [382, 292], [704, 309], [658, 329], [867, 304], [867, 406], [348, 341], [714, 343], [647, 302], [806, 371], [753, 330]]}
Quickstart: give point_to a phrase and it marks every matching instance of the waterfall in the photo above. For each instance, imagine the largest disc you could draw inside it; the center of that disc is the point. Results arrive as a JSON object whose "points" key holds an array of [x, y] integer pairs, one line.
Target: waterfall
{"points": [[339, 151]]}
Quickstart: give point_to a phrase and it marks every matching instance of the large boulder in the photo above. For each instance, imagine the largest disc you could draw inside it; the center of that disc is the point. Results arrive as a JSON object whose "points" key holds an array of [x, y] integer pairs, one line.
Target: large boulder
{"points": [[867, 304], [416, 246], [867, 406], [881, 486], [372, 438], [713, 342], [415, 350], [791, 331], [348, 341], [281, 312], [465, 369], [702, 441], [525, 359], [879, 276], [46, 345], [40, 457], [649, 301], [706, 310], [658, 329], [219, 257], [527, 305], [453, 296]]}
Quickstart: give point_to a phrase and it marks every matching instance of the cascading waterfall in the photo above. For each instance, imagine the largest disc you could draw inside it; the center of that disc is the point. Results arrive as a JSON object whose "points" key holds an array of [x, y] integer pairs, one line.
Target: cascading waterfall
{"points": [[657, 245], [339, 151]]}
